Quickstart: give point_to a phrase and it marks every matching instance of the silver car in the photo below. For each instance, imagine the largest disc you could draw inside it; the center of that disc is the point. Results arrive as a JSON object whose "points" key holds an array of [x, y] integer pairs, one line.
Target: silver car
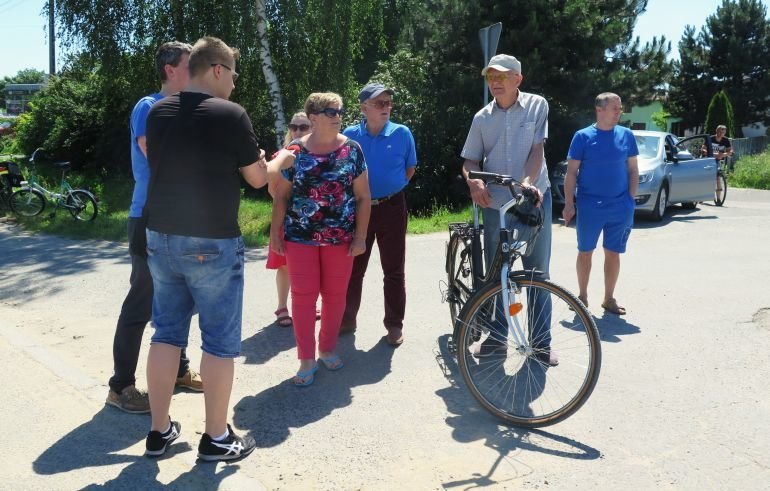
{"points": [[671, 170]]}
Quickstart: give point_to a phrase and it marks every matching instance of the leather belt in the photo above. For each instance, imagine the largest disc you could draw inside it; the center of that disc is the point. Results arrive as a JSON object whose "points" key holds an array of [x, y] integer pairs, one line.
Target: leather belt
{"points": [[377, 201]]}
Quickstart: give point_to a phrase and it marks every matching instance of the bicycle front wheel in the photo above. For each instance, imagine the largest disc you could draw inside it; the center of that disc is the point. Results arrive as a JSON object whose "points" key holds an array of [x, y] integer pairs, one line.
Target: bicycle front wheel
{"points": [[720, 191], [27, 202], [518, 380], [82, 205]]}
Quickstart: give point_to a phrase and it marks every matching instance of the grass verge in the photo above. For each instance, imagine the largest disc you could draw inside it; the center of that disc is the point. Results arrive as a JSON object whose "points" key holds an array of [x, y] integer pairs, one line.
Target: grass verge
{"points": [[752, 171]]}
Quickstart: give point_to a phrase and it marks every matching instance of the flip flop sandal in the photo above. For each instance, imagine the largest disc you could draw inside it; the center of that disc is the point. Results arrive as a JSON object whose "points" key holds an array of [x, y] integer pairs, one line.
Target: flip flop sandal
{"points": [[306, 378], [283, 318], [332, 363], [613, 307]]}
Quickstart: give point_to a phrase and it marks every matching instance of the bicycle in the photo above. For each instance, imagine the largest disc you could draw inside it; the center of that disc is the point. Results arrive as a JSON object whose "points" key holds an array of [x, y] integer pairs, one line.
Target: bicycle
{"points": [[32, 198], [523, 316], [720, 190]]}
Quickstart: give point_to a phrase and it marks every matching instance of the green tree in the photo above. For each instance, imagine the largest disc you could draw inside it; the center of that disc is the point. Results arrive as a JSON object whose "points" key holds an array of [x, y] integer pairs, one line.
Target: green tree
{"points": [[660, 118], [720, 111], [729, 53]]}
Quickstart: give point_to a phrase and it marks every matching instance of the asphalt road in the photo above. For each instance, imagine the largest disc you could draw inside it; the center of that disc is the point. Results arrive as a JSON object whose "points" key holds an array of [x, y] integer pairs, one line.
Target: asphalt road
{"points": [[682, 402]]}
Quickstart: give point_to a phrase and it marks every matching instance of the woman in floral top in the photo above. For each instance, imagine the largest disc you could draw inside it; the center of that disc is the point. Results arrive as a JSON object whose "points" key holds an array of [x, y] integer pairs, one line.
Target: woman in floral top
{"points": [[320, 216]]}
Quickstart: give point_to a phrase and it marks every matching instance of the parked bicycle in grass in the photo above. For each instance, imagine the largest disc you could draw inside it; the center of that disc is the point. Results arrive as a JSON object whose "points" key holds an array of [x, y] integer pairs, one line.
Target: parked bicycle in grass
{"points": [[525, 314], [32, 198]]}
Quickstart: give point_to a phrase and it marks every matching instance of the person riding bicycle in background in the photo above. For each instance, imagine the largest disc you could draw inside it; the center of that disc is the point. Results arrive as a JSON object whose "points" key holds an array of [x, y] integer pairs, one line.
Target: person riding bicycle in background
{"points": [[509, 136], [721, 145]]}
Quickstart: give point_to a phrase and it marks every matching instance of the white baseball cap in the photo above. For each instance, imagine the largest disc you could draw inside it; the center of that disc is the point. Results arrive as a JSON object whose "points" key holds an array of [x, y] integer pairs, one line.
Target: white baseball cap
{"points": [[503, 63]]}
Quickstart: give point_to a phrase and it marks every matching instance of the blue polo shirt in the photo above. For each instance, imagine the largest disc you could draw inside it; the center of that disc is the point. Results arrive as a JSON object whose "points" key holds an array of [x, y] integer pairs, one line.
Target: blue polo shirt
{"points": [[139, 166], [388, 155]]}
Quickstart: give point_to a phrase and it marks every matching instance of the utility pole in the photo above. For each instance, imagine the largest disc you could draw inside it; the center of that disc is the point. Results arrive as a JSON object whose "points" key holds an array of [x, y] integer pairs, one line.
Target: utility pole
{"points": [[51, 40]]}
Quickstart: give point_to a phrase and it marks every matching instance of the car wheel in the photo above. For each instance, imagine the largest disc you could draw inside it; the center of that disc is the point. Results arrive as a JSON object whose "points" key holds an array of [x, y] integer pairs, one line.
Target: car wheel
{"points": [[690, 205], [661, 204]]}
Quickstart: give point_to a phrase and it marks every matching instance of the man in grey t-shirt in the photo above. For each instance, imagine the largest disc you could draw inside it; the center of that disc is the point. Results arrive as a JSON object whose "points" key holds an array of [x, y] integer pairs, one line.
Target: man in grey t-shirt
{"points": [[509, 135]]}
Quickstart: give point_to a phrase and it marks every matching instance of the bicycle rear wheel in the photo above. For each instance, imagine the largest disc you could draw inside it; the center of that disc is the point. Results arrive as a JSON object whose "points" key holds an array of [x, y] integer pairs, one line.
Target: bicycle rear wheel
{"points": [[27, 202], [82, 205], [515, 381], [720, 190], [459, 274]]}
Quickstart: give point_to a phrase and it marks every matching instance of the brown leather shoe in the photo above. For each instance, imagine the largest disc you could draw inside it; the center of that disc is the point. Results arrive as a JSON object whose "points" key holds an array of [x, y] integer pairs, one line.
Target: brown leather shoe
{"points": [[130, 400], [395, 336], [190, 380]]}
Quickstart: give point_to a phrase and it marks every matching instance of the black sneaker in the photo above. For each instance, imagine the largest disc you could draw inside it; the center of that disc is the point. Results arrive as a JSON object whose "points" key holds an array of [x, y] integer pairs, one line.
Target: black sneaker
{"points": [[158, 442], [231, 448]]}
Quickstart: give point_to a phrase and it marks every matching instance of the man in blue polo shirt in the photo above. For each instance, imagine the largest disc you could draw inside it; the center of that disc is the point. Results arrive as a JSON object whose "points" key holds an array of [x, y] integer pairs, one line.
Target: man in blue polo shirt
{"points": [[391, 158]]}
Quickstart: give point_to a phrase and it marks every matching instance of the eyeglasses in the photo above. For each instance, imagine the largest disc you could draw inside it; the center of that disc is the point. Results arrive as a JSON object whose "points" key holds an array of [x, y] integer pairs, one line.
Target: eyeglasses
{"points": [[331, 112], [496, 77], [381, 104], [235, 74], [300, 127]]}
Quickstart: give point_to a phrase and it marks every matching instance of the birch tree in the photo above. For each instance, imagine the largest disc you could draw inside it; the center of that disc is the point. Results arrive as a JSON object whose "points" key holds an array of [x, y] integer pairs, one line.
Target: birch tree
{"points": [[273, 86]]}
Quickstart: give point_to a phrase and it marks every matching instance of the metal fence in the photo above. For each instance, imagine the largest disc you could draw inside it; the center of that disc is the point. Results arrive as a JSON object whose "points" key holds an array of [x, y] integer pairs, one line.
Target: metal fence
{"points": [[748, 146]]}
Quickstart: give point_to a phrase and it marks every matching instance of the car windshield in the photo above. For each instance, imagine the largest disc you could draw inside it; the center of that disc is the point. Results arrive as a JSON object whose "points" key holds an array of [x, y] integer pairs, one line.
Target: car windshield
{"points": [[648, 146]]}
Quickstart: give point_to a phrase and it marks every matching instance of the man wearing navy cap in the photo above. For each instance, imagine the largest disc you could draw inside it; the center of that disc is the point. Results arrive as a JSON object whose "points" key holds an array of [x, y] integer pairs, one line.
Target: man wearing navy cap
{"points": [[391, 158]]}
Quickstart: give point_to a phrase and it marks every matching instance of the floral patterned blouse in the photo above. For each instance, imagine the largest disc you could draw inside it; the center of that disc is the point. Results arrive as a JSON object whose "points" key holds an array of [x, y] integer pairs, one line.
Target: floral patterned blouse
{"points": [[322, 207]]}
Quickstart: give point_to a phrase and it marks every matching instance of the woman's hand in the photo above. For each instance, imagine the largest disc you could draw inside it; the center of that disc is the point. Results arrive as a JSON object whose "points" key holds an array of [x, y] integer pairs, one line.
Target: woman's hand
{"points": [[276, 243], [357, 247]]}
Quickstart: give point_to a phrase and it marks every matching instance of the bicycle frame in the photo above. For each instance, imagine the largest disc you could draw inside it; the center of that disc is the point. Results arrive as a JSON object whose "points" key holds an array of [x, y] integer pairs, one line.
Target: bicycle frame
{"points": [[503, 258], [64, 187]]}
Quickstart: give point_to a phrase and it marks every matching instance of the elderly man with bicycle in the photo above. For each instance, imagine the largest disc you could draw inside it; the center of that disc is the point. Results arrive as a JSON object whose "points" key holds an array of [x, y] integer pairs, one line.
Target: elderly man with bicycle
{"points": [[509, 135]]}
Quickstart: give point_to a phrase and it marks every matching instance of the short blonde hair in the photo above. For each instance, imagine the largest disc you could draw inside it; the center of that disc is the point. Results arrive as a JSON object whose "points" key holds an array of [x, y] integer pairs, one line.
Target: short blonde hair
{"points": [[209, 51], [299, 114], [318, 101]]}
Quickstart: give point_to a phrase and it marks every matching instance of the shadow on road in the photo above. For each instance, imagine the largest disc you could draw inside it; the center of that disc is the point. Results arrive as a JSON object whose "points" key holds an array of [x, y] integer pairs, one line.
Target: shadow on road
{"points": [[99, 442], [271, 414], [471, 422], [673, 214], [95, 443], [46, 258], [612, 326], [267, 343]]}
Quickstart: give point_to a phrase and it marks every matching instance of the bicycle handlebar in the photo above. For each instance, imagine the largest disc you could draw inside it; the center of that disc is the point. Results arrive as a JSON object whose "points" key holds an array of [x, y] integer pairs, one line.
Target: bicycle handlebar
{"points": [[504, 180]]}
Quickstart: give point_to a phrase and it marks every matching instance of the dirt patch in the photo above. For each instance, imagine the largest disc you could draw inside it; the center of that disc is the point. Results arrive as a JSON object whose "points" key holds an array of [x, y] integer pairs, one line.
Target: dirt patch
{"points": [[762, 318]]}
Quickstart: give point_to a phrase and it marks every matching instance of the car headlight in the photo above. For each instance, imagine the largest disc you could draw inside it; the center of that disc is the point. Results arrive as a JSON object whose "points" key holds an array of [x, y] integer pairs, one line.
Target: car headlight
{"points": [[646, 177]]}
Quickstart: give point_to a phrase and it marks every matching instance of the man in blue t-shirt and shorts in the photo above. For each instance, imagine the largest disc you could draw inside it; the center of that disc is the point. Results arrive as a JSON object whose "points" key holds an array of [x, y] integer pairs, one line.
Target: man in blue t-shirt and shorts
{"points": [[602, 173]]}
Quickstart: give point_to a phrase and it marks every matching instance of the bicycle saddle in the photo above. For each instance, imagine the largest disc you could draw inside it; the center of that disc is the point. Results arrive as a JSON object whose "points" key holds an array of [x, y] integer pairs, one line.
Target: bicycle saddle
{"points": [[62, 165]]}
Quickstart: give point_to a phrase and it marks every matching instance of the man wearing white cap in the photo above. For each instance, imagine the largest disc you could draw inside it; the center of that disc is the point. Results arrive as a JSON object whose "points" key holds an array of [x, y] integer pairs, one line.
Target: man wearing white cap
{"points": [[508, 135]]}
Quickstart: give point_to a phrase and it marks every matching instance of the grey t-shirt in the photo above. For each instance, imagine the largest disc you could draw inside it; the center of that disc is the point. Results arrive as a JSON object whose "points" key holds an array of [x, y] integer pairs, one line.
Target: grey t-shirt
{"points": [[504, 138]]}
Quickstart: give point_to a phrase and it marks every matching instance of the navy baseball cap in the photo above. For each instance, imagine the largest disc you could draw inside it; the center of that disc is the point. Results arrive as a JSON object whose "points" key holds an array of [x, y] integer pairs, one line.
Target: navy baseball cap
{"points": [[371, 91]]}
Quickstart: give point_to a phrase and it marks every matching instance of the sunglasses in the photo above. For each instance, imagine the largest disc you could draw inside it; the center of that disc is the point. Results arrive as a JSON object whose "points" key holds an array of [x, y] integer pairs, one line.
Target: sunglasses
{"points": [[331, 112], [381, 104], [300, 127], [235, 74], [496, 77]]}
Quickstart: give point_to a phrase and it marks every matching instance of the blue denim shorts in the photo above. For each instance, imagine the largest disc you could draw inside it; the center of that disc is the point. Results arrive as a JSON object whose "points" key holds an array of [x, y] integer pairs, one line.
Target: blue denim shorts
{"points": [[194, 274], [614, 219]]}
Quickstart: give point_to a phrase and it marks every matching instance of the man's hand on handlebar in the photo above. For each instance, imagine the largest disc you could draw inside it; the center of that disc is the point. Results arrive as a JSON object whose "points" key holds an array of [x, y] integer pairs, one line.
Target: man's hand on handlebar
{"points": [[479, 192]]}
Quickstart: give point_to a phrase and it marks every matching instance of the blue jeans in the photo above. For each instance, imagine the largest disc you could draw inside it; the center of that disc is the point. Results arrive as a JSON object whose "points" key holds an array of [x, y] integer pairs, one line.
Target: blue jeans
{"points": [[538, 256], [190, 273]]}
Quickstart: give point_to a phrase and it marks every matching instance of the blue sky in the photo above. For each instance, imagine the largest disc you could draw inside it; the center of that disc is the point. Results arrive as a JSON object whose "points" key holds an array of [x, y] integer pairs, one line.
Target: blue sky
{"points": [[25, 38]]}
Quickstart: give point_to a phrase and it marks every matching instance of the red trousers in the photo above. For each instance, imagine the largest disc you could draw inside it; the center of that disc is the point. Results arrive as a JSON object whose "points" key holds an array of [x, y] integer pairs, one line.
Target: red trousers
{"points": [[315, 270]]}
